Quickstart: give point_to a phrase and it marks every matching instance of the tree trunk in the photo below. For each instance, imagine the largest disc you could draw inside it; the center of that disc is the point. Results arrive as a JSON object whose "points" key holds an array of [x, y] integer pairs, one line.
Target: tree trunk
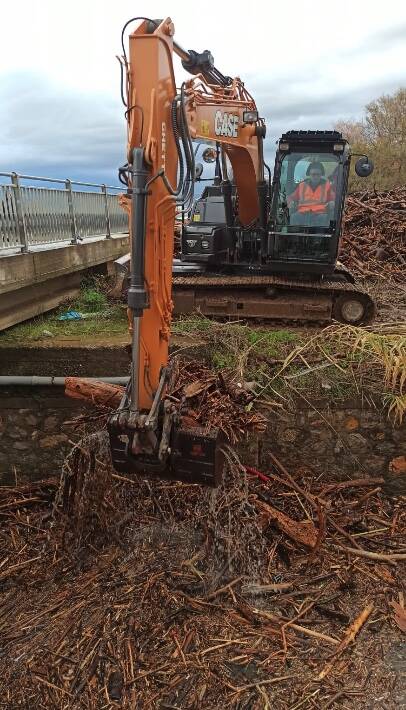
{"points": [[98, 393]]}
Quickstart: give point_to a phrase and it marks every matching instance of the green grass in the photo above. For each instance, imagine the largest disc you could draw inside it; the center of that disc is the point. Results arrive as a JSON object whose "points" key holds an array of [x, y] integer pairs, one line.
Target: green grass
{"points": [[333, 364], [237, 346], [270, 342], [92, 300], [192, 325], [104, 318], [114, 323], [222, 361]]}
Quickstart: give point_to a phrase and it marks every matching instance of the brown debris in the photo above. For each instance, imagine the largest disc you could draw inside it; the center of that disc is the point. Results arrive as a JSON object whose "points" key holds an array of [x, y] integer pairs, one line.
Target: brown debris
{"points": [[95, 392], [156, 594], [201, 396], [213, 400], [399, 615], [374, 234], [349, 636], [303, 532]]}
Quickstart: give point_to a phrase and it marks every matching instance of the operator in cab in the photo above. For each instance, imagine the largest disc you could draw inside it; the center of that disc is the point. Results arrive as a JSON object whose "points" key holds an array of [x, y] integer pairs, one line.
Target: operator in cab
{"points": [[312, 202]]}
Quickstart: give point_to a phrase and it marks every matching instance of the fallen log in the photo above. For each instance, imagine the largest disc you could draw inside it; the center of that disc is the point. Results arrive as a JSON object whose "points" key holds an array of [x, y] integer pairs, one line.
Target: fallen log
{"points": [[93, 391], [305, 533]]}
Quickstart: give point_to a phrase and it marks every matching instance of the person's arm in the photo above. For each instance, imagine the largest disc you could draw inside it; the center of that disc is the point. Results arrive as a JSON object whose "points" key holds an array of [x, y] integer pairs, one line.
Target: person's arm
{"points": [[294, 197], [330, 196]]}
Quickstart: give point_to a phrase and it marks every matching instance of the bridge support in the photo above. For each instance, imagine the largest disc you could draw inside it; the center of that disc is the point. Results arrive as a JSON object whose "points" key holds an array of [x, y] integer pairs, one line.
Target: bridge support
{"points": [[35, 282]]}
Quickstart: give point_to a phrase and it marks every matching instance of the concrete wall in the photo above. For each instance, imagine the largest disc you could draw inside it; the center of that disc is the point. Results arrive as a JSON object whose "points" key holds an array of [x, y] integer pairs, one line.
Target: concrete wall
{"points": [[335, 444], [34, 438], [34, 283], [349, 440]]}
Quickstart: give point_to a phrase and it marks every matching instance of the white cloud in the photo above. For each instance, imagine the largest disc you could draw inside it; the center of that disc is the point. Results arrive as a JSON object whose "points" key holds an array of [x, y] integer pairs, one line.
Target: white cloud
{"points": [[307, 65]]}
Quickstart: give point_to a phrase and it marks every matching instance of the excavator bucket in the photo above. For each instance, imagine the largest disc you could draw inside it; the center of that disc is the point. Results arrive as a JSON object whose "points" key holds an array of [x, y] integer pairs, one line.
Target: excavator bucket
{"points": [[193, 454], [196, 456]]}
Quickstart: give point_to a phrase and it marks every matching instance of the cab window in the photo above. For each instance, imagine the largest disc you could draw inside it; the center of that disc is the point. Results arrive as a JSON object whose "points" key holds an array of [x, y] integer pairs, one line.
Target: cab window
{"points": [[210, 211], [307, 191]]}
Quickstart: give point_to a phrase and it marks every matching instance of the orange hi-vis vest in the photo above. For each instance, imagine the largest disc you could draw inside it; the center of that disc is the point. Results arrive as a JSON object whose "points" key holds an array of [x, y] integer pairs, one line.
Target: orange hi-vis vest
{"points": [[310, 200]]}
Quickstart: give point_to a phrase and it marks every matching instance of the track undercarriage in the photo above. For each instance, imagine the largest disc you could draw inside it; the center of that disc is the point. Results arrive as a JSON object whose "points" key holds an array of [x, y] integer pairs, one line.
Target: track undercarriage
{"points": [[274, 297]]}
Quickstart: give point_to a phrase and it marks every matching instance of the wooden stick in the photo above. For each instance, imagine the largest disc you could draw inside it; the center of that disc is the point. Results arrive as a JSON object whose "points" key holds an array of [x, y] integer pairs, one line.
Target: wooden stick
{"points": [[316, 634], [226, 588], [321, 531], [258, 589], [18, 566], [293, 483], [363, 498], [345, 533], [355, 483], [349, 636], [297, 627], [391, 559], [269, 681]]}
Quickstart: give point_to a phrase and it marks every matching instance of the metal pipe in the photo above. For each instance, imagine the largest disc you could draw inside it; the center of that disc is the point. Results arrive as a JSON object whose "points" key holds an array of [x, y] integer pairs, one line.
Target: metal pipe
{"points": [[21, 225], [182, 53], [152, 26], [135, 363], [137, 295], [224, 165], [40, 381], [227, 192]]}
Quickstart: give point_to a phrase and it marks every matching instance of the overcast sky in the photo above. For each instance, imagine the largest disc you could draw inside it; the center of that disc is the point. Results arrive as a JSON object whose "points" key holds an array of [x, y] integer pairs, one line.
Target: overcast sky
{"points": [[307, 64]]}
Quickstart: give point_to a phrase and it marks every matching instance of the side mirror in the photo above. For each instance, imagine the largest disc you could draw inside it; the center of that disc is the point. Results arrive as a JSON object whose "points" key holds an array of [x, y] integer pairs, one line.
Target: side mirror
{"points": [[209, 155], [198, 171], [364, 167]]}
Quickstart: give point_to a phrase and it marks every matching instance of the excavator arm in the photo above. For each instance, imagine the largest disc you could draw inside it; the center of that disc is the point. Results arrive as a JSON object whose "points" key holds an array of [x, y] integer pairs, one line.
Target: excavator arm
{"points": [[146, 432]]}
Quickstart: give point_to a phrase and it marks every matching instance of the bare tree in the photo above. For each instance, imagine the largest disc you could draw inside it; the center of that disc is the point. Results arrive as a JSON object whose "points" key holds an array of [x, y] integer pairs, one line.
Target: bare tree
{"points": [[382, 135]]}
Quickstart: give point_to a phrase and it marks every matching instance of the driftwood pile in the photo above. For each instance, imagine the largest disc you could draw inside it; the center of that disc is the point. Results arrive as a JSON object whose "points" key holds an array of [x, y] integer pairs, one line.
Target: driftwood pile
{"points": [[273, 591], [203, 397], [374, 234]]}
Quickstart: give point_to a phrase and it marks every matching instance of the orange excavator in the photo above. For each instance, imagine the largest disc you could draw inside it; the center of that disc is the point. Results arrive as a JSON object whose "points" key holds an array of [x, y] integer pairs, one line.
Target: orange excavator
{"points": [[147, 434]]}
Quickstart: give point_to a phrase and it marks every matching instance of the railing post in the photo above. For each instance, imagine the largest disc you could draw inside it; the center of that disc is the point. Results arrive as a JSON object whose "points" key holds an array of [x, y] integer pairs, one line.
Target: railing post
{"points": [[22, 229], [74, 231], [107, 213]]}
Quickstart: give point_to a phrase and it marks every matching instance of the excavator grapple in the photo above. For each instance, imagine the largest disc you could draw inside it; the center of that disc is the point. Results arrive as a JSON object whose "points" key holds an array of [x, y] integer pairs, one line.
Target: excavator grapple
{"points": [[193, 455]]}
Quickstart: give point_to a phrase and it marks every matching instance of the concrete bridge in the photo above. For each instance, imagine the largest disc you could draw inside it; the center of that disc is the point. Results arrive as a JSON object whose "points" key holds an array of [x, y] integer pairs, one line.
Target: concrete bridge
{"points": [[51, 231]]}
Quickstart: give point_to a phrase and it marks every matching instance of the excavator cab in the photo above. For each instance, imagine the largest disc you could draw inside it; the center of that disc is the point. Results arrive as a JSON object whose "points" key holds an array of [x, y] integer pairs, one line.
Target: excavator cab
{"points": [[308, 194]]}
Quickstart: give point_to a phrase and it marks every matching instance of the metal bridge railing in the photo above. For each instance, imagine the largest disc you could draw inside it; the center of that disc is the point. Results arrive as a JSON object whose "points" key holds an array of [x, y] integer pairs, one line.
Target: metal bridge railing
{"points": [[33, 215]]}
